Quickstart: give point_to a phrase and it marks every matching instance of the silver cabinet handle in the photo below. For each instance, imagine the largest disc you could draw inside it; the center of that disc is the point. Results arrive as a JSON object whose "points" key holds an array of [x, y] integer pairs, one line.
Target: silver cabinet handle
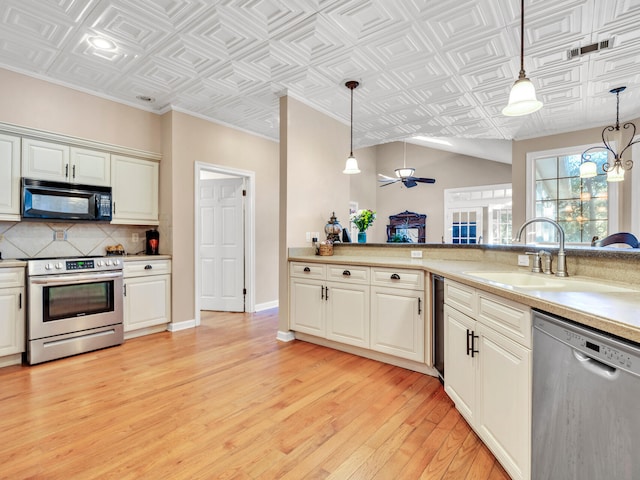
{"points": [[20, 301], [326, 293], [125, 289], [73, 172], [321, 292]]}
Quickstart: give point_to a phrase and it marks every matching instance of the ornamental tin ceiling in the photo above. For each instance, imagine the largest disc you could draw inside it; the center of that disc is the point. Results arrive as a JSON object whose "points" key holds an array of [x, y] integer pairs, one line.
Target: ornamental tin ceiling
{"points": [[435, 68]]}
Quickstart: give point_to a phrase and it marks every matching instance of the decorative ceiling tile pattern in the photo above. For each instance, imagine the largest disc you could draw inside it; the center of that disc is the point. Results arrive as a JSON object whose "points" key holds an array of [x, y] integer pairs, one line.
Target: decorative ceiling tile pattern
{"points": [[426, 68]]}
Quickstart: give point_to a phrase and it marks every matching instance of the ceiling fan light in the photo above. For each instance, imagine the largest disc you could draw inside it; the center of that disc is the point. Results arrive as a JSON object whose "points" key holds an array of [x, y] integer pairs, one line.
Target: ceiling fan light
{"points": [[588, 169], [351, 166], [404, 172], [522, 99], [615, 173]]}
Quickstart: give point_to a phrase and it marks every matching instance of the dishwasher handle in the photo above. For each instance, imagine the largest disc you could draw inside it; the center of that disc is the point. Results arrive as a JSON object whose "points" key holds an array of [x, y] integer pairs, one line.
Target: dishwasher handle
{"points": [[596, 366]]}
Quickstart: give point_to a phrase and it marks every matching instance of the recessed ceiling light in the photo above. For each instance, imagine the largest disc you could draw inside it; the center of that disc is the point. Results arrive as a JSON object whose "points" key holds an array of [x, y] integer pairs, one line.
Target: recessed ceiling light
{"points": [[145, 98], [101, 43]]}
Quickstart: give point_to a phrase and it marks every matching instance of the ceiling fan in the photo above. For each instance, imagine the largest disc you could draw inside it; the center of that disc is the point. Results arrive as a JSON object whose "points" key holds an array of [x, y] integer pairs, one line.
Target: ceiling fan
{"points": [[404, 175]]}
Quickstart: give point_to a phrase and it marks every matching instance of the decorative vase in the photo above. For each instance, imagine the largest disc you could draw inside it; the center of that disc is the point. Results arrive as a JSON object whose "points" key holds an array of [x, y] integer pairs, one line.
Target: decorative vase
{"points": [[362, 237]]}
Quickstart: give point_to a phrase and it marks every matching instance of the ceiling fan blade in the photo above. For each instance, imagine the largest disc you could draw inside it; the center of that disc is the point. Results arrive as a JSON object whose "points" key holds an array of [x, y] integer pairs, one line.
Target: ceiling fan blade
{"points": [[423, 180], [384, 178], [389, 183]]}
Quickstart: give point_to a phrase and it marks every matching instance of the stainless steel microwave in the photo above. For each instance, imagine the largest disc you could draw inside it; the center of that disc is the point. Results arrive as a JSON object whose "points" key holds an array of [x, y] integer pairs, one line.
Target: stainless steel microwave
{"points": [[64, 201]]}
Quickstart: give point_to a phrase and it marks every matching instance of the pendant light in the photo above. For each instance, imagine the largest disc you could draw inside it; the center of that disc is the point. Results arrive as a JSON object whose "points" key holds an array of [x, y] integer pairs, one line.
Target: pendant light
{"points": [[522, 99], [352, 164], [615, 171]]}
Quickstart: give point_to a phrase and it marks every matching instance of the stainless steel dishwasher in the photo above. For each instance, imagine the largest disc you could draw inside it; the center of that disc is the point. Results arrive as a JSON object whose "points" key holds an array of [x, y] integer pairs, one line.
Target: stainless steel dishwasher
{"points": [[586, 403]]}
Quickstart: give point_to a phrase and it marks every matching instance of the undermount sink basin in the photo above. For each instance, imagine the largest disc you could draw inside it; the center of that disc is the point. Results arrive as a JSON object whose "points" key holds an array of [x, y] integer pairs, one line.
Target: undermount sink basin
{"points": [[540, 281]]}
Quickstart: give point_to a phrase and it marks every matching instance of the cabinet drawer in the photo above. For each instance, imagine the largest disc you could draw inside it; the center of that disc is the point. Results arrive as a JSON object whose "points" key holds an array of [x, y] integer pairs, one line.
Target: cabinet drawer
{"points": [[461, 297], [348, 273], [11, 277], [146, 267], [307, 270], [511, 319], [388, 277]]}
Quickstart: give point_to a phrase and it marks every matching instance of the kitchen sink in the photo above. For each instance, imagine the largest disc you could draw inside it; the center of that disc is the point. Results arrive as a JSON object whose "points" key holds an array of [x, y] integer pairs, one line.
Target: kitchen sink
{"points": [[539, 281]]}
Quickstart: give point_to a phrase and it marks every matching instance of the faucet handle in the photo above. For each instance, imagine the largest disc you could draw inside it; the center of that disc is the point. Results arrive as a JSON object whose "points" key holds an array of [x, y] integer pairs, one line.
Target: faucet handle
{"points": [[546, 262], [536, 267]]}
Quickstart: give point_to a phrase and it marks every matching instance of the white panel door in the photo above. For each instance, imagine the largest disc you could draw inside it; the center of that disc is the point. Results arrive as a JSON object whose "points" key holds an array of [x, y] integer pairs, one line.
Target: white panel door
{"points": [[90, 167], [45, 160], [221, 242], [347, 313]]}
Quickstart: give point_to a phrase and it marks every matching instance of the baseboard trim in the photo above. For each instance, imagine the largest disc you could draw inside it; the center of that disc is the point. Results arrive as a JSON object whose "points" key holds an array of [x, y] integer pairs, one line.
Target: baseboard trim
{"points": [[266, 305], [285, 336], [184, 325]]}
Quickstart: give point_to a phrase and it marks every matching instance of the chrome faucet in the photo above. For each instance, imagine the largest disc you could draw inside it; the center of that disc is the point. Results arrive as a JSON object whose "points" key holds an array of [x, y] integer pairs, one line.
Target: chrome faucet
{"points": [[562, 260]]}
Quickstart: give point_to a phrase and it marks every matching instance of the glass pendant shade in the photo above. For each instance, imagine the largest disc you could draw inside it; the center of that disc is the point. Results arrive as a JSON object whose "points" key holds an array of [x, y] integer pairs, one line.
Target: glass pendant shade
{"points": [[616, 173], [404, 172], [588, 169], [351, 166], [522, 99]]}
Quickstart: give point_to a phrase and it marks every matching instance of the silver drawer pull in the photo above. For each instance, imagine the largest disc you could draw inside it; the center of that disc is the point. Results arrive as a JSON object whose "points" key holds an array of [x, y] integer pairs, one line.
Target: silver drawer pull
{"points": [[346, 273], [307, 269], [395, 276]]}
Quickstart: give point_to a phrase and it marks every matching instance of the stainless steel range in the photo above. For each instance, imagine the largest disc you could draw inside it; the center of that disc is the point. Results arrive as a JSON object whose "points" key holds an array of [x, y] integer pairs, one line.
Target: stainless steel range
{"points": [[74, 305]]}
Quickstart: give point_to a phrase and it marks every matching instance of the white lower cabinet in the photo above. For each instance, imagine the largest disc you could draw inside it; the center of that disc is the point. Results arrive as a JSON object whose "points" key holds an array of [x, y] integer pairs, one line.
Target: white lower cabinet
{"points": [[488, 371], [373, 308], [147, 296], [336, 310], [12, 315]]}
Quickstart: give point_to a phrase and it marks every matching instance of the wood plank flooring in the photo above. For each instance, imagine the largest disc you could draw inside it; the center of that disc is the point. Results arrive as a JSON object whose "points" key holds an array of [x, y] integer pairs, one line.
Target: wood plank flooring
{"points": [[228, 401]]}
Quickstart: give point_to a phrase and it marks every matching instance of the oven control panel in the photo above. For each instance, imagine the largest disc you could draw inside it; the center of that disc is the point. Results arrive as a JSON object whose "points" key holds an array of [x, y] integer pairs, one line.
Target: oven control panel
{"points": [[80, 264]]}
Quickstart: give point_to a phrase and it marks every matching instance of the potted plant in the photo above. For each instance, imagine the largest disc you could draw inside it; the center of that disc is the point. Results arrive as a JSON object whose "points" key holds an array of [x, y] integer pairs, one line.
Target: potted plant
{"points": [[363, 219]]}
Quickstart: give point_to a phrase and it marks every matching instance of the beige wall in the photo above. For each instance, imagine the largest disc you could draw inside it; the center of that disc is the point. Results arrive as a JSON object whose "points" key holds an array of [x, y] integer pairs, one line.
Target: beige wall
{"points": [[450, 170], [563, 140], [195, 140], [313, 151], [46, 106], [363, 188]]}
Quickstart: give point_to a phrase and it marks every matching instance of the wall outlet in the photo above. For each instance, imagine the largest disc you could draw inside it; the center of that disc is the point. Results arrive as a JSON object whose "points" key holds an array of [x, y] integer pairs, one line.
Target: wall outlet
{"points": [[416, 253], [308, 236], [135, 238], [59, 235], [523, 260]]}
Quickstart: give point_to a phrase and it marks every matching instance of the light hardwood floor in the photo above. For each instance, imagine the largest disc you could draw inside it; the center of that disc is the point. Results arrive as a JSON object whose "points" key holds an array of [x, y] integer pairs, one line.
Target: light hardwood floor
{"points": [[226, 400]]}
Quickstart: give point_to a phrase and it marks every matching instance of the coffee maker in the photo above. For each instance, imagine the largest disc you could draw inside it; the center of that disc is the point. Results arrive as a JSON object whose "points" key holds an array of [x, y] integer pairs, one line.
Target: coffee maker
{"points": [[152, 243]]}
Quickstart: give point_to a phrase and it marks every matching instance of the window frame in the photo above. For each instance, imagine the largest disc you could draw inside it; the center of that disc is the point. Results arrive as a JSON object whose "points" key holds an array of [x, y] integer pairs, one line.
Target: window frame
{"points": [[613, 205]]}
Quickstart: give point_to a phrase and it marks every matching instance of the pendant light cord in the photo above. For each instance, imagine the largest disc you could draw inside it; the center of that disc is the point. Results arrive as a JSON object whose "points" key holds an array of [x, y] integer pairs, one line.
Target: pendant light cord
{"points": [[351, 151], [522, 74]]}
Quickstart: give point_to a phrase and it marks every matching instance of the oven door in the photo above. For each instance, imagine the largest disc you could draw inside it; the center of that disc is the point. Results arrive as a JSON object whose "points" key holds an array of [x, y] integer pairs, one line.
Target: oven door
{"points": [[61, 304]]}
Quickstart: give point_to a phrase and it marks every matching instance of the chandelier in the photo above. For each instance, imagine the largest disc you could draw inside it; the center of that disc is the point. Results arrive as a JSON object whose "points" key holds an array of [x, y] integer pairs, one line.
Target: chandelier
{"points": [[611, 137]]}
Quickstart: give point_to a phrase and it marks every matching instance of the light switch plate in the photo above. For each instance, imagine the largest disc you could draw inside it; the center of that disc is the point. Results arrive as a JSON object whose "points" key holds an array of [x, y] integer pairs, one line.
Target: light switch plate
{"points": [[523, 260], [416, 253]]}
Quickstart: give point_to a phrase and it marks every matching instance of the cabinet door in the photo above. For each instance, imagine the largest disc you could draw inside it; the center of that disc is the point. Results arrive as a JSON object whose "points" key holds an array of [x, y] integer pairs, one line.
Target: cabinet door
{"points": [[90, 167], [147, 301], [12, 321], [347, 313], [504, 400], [307, 312], [460, 367], [397, 322], [45, 160], [135, 191], [9, 178]]}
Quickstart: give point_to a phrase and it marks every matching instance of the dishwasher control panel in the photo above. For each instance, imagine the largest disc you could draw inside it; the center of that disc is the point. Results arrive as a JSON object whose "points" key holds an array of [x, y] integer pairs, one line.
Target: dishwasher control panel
{"points": [[595, 344]]}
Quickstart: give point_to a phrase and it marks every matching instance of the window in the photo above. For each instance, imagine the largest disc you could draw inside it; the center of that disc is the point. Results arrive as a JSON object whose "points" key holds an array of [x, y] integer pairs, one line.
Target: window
{"points": [[479, 214], [584, 208]]}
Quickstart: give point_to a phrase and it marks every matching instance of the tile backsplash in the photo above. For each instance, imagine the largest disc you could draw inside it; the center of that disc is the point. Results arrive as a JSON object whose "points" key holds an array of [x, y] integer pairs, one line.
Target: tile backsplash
{"points": [[29, 239]]}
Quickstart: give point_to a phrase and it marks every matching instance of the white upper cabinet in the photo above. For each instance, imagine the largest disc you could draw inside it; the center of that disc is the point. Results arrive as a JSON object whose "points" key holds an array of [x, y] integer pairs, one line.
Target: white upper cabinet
{"points": [[90, 167], [56, 162], [135, 191], [9, 178]]}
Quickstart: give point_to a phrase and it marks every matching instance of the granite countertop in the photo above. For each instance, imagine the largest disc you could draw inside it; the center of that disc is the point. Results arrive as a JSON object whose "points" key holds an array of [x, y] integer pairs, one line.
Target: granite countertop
{"points": [[142, 257], [612, 312]]}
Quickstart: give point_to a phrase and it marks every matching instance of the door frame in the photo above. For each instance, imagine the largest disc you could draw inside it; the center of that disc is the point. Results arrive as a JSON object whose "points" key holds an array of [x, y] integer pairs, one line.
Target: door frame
{"points": [[249, 232]]}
